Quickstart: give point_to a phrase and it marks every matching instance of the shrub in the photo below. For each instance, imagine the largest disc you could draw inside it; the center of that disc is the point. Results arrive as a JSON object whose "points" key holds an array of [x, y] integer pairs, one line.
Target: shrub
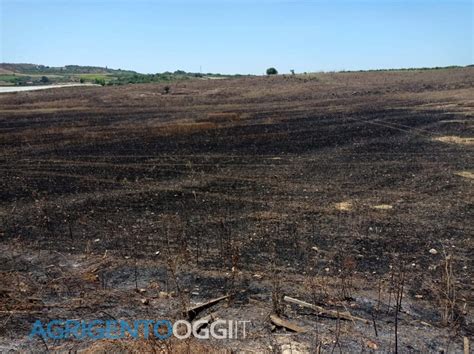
{"points": [[99, 81], [272, 71], [44, 79]]}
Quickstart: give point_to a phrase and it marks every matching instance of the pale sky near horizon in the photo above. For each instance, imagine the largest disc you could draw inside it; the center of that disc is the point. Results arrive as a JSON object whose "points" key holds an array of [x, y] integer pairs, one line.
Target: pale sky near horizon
{"points": [[230, 36]]}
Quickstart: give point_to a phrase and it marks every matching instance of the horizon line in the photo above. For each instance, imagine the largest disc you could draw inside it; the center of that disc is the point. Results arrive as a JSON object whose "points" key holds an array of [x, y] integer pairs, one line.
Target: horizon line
{"points": [[247, 74]]}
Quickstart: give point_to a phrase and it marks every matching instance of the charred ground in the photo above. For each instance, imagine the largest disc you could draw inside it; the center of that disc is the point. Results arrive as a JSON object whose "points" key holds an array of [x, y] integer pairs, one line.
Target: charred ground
{"points": [[335, 185]]}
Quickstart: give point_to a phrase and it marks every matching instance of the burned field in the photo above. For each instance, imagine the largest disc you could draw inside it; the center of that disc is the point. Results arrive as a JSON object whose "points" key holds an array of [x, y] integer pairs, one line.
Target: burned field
{"points": [[349, 191]]}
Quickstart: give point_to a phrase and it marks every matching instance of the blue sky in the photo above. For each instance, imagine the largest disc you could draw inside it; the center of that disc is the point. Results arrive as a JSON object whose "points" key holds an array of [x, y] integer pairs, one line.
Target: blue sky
{"points": [[244, 36]]}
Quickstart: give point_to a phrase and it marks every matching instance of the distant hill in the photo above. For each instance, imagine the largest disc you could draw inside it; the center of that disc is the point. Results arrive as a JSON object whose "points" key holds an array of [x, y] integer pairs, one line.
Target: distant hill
{"points": [[34, 69], [22, 74]]}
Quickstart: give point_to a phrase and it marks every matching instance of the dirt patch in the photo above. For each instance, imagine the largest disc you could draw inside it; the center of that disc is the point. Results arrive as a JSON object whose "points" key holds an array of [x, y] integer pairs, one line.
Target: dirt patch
{"points": [[383, 207], [286, 345], [43, 87], [455, 140], [343, 206], [465, 174]]}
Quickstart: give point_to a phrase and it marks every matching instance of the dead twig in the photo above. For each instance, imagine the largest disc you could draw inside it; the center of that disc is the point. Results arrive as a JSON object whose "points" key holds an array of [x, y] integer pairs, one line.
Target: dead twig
{"points": [[374, 323], [329, 313], [284, 323], [193, 311]]}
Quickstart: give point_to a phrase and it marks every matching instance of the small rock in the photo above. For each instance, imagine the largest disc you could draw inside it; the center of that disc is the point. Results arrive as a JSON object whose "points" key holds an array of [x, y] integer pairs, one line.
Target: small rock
{"points": [[433, 251], [145, 301], [372, 345], [153, 285], [418, 296], [163, 295]]}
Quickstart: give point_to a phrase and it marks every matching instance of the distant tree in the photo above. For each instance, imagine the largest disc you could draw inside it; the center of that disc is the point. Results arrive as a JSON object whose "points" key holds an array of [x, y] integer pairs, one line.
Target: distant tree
{"points": [[44, 79], [272, 71], [81, 80], [292, 72]]}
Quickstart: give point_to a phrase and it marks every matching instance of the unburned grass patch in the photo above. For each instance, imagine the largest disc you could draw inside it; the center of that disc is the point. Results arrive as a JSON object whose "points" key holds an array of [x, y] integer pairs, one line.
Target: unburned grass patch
{"points": [[383, 207], [343, 206], [465, 174], [451, 139]]}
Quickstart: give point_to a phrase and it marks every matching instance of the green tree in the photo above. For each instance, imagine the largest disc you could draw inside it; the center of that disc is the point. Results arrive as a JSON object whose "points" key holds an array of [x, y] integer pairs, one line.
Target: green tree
{"points": [[44, 79], [272, 71], [100, 81]]}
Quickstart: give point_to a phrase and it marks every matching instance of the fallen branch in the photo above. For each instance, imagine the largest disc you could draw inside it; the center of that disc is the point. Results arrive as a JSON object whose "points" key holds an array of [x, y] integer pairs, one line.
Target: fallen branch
{"points": [[193, 311], [329, 313], [284, 323]]}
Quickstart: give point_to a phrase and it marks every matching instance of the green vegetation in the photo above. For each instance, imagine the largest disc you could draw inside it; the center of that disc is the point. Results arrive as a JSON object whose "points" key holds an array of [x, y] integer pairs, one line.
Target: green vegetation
{"points": [[272, 71], [32, 69], [29, 74], [407, 69], [17, 80], [99, 81]]}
